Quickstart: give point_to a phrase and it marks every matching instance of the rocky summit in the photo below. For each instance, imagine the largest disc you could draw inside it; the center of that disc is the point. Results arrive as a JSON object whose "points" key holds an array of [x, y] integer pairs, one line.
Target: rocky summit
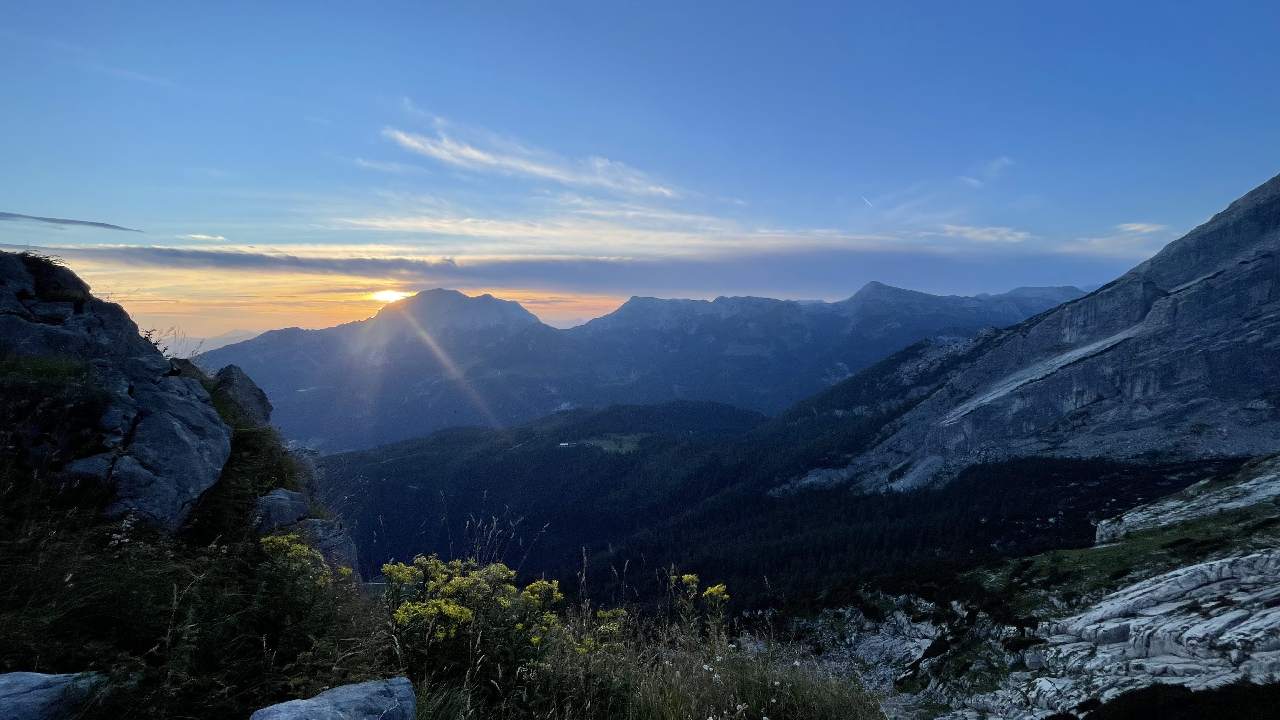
{"points": [[1178, 358]]}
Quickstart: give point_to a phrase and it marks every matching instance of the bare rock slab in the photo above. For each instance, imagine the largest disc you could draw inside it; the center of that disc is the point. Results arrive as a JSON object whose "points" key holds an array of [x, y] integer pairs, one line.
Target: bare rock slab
{"points": [[376, 700]]}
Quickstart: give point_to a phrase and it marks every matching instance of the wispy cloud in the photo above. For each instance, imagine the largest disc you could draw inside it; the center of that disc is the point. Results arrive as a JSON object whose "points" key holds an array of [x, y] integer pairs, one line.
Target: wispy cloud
{"points": [[92, 61], [387, 166], [988, 234], [203, 237], [127, 74], [619, 232], [18, 217], [187, 258], [1133, 240], [987, 172], [1141, 228], [498, 155]]}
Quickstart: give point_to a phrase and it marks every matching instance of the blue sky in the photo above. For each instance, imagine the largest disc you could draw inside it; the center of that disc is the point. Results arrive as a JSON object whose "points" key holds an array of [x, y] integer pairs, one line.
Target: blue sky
{"points": [[286, 160]]}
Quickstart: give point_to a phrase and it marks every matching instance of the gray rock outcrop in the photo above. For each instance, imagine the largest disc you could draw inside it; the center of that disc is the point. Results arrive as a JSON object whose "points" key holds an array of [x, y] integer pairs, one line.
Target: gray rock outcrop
{"points": [[279, 508], [233, 385], [377, 700], [1201, 626], [37, 696], [1256, 485], [332, 540], [161, 442], [1179, 359]]}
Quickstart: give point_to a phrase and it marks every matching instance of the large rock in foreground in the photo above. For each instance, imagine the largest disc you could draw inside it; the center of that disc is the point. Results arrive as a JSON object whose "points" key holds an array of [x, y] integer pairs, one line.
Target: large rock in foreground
{"points": [[160, 443], [377, 700], [37, 696]]}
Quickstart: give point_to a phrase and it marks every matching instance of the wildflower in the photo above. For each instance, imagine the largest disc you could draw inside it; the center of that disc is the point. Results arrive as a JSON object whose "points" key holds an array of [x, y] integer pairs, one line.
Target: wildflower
{"points": [[716, 594], [719, 658], [706, 667]]}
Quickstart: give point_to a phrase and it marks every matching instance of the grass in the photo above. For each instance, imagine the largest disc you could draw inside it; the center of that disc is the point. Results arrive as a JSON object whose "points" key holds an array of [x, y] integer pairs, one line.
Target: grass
{"points": [[656, 670]]}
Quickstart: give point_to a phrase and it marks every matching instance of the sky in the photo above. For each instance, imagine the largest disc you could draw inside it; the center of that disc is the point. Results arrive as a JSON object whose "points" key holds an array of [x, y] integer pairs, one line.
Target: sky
{"points": [[218, 167]]}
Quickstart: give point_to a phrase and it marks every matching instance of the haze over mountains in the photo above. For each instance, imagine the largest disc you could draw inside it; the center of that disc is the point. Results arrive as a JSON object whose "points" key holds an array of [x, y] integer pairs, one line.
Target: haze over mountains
{"points": [[442, 359]]}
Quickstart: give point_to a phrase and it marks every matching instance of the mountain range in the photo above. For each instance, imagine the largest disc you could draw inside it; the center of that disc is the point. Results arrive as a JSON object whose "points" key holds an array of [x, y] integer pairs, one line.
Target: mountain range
{"points": [[443, 359], [1013, 523], [1074, 516]]}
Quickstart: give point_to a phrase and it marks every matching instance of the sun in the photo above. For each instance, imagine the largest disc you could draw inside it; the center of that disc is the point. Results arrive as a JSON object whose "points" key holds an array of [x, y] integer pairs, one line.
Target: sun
{"points": [[389, 296]]}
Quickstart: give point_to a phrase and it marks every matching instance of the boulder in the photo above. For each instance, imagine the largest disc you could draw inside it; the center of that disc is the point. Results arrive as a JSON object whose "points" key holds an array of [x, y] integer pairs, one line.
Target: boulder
{"points": [[279, 508], [237, 389], [37, 696], [377, 700], [332, 540]]}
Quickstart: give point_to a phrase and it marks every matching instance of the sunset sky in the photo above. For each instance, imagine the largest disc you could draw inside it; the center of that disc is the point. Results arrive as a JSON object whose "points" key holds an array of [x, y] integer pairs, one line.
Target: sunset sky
{"points": [[215, 174]]}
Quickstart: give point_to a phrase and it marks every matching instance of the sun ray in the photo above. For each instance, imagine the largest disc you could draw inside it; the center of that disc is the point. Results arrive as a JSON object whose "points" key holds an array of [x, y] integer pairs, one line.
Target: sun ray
{"points": [[451, 368]]}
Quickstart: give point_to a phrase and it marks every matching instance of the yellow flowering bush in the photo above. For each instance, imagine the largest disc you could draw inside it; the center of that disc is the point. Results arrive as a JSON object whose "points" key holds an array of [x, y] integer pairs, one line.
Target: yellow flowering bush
{"points": [[292, 559], [460, 617]]}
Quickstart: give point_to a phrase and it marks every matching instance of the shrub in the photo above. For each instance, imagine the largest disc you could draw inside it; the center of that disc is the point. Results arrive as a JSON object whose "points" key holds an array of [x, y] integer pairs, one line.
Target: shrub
{"points": [[479, 647]]}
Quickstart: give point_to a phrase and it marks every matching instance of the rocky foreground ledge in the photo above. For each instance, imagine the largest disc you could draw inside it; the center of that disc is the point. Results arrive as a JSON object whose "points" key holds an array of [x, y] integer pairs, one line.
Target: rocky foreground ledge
{"points": [[377, 700]]}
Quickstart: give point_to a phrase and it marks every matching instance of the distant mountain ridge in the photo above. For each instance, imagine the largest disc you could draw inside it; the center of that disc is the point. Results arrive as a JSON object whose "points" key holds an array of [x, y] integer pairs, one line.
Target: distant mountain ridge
{"points": [[441, 358], [1179, 358]]}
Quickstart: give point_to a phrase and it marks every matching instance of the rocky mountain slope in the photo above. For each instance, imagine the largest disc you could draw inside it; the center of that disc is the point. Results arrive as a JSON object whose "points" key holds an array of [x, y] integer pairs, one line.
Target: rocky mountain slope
{"points": [[1178, 358], [443, 359], [157, 440]]}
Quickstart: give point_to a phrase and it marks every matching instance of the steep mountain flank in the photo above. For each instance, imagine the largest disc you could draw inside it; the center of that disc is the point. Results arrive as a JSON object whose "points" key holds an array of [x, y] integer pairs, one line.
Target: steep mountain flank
{"points": [[442, 359], [1177, 359]]}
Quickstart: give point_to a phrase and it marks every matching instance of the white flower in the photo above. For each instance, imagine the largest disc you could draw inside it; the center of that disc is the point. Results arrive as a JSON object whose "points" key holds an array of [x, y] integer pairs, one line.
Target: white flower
{"points": [[718, 658], [796, 663], [706, 667]]}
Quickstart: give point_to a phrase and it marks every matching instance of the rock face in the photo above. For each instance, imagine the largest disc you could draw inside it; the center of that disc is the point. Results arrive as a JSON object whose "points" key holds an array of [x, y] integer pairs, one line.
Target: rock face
{"points": [[332, 540], [1201, 626], [1258, 484], [162, 443], [1179, 358], [442, 359], [279, 508], [377, 700], [236, 387], [36, 696]]}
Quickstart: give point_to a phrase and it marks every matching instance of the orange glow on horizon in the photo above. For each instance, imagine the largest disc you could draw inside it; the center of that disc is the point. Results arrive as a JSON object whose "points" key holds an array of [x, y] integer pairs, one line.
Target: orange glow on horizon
{"points": [[206, 303]]}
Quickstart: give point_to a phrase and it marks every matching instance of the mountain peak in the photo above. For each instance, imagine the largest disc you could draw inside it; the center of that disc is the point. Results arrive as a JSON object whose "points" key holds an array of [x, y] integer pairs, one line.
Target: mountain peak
{"points": [[439, 308]]}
